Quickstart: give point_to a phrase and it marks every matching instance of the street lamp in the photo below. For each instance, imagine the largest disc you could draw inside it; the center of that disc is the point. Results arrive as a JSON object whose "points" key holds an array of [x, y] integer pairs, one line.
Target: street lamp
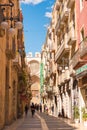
{"points": [[4, 23]]}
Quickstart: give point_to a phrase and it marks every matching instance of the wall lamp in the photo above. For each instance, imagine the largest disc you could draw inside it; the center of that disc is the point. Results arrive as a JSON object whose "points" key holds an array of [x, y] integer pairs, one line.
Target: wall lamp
{"points": [[65, 65], [4, 23]]}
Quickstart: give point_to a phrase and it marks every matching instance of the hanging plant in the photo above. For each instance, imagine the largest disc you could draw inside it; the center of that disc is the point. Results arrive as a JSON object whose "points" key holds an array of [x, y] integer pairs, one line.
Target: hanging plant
{"points": [[22, 83], [76, 112], [84, 114], [22, 79]]}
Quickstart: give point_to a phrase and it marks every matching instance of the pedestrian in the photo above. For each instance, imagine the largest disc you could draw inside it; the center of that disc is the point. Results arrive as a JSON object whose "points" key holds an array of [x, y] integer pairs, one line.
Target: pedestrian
{"points": [[40, 108], [46, 110], [37, 107], [62, 112], [32, 109], [26, 110], [52, 108]]}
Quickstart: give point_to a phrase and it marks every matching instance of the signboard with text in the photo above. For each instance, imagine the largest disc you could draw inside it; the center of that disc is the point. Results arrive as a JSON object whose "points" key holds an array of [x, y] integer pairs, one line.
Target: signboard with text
{"points": [[81, 69]]}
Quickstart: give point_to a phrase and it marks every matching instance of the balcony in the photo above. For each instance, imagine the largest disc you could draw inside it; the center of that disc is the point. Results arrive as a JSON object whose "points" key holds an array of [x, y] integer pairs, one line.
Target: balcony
{"points": [[62, 50], [71, 36], [83, 50], [65, 14], [72, 40], [49, 89], [17, 61], [70, 3], [52, 68], [76, 61]]}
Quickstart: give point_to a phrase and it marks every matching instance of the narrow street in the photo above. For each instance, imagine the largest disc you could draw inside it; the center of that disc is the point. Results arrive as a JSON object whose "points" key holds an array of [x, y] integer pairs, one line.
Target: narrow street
{"points": [[43, 64], [41, 121]]}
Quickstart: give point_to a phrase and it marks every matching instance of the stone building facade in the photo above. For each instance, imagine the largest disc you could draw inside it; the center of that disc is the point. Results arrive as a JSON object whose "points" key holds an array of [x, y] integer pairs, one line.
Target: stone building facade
{"points": [[34, 65], [64, 57], [11, 63]]}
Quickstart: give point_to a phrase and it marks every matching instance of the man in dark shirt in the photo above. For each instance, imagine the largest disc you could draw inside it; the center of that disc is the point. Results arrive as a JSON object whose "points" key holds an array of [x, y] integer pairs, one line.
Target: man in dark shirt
{"points": [[32, 109], [26, 110]]}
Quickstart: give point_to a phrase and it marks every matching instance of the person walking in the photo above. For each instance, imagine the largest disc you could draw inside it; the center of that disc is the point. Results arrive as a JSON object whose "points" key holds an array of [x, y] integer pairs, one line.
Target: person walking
{"points": [[62, 112], [26, 110], [52, 108], [40, 108], [32, 109]]}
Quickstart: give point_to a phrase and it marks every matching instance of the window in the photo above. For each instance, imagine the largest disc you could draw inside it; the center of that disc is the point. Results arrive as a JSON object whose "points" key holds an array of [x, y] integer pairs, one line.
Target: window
{"points": [[81, 4], [73, 17], [82, 39], [82, 34]]}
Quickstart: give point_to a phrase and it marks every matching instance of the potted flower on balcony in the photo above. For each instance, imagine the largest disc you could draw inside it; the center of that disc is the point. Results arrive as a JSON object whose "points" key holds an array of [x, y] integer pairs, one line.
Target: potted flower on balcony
{"points": [[76, 114], [84, 115]]}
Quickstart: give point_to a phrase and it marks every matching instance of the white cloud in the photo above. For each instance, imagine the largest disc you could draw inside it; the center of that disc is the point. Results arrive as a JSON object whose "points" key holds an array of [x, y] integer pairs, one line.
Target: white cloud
{"points": [[34, 2], [48, 14], [46, 26]]}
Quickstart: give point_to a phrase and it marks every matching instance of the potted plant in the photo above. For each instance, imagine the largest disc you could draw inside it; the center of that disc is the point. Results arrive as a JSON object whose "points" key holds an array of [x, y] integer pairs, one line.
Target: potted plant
{"points": [[84, 115], [76, 114]]}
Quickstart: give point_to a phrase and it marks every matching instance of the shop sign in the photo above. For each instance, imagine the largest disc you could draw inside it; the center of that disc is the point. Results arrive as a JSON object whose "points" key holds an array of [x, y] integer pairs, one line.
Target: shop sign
{"points": [[81, 69]]}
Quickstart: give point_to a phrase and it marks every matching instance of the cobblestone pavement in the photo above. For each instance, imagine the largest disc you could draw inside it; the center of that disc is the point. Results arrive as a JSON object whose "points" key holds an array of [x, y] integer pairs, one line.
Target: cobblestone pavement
{"points": [[41, 121], [26, 123], [55, 123], [30, 124]]}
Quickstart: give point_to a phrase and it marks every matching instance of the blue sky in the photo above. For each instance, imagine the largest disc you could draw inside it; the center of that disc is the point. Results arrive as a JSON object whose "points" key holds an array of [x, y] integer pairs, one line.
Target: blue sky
{"points": [[36, 18]]}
